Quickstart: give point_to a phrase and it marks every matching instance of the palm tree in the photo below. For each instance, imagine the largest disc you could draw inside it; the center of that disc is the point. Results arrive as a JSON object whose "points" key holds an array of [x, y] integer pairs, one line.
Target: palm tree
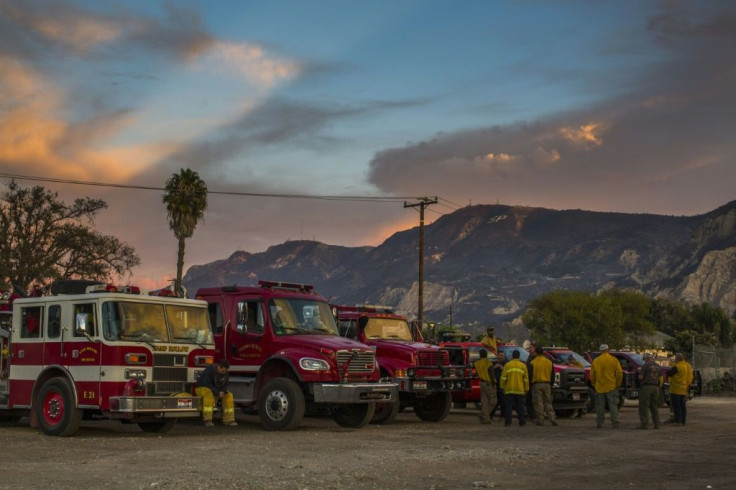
{"points": [[186, 202]]}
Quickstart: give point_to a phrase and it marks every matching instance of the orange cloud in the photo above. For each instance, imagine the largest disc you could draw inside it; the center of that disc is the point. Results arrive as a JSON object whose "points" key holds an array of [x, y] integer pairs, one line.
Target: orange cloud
{"points": [[587, 135]]}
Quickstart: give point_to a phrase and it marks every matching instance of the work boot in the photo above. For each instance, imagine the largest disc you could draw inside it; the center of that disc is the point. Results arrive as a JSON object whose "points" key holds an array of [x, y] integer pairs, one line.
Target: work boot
{"points": [[642, 427], [208, 423], [231, 424], [554, 422]]}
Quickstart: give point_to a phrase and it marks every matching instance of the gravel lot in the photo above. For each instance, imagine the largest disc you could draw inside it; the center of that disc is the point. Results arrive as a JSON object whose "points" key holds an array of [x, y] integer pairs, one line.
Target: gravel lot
{"points": [[408, 453]]}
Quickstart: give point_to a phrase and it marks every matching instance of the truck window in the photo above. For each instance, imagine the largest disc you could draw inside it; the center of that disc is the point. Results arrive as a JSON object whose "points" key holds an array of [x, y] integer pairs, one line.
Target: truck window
{"points": [[189, 324], [348, 328], [299, 316], [53, 330], [250, 317], [215, 313], [387, 328], [134, 321], [30, 324], [84, 320]]}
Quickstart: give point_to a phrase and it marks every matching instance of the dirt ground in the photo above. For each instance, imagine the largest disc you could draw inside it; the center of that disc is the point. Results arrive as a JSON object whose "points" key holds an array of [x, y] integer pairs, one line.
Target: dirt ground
{"points": [[408, 453]]}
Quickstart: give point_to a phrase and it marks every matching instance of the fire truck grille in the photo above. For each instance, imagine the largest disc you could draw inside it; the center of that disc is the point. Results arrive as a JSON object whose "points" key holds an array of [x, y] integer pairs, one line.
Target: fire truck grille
{"points": [[434, 358], [169, 374], [574, 377], [363, 362]]}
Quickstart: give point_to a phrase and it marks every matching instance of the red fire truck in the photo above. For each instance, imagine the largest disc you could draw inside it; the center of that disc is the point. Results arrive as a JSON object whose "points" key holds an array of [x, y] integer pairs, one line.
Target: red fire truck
{"points": [[94, 351], [424, 373], [286, 358]]}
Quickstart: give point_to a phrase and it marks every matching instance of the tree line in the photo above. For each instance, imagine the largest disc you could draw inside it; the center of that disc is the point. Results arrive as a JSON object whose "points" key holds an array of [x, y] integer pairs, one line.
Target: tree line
{"points": [[624, 319]]}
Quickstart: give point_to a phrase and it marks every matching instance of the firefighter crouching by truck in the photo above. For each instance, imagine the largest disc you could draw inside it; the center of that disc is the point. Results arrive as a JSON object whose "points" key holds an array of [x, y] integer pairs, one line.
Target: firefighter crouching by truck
{"points": [[213, 385]]}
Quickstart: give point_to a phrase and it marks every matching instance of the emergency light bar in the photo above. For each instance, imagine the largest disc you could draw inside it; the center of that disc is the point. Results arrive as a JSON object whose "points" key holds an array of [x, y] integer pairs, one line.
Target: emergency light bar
{"points": [[286, 285]]}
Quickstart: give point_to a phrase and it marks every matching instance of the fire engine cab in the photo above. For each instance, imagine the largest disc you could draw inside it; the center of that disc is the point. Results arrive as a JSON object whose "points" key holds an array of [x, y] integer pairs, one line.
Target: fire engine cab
{"points": [[95, 351]]}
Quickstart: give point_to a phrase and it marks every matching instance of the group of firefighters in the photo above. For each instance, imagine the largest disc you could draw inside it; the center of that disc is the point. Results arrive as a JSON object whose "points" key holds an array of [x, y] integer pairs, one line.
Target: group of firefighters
{"points": [[506, 385]]}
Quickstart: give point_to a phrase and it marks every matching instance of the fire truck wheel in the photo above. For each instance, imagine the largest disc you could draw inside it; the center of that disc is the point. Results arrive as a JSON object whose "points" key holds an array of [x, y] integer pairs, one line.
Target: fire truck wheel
{"points": [[385, 412], [159, 427], [354, 415], [433, 408], [281, 404], [56, 410]]}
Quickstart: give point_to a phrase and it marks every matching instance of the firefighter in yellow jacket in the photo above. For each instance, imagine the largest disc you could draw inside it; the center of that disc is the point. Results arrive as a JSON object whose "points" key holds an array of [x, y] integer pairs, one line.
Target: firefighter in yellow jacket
{"points": [[211, 385], [487, 385], [542, 377], [606, 376], [515, 384], [680, 377]]}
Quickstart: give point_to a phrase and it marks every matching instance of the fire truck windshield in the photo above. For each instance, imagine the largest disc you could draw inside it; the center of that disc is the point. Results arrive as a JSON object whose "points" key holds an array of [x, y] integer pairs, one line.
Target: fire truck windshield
{"points": [[387, 328], [293, 316], [147, 322]]}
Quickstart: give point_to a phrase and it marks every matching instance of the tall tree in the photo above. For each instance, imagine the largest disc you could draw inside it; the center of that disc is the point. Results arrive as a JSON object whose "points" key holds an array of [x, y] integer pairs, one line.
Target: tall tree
{"points": [[186, 202], [43, 239], [576, 319]]}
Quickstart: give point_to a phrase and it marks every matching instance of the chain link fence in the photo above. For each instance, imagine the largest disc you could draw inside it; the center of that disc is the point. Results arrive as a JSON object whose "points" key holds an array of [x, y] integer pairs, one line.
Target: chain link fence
{"points": [[717, 367]]}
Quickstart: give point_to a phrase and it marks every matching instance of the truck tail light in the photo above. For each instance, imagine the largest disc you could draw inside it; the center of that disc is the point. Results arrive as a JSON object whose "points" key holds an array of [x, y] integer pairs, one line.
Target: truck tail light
{"points": [[136, 359]]}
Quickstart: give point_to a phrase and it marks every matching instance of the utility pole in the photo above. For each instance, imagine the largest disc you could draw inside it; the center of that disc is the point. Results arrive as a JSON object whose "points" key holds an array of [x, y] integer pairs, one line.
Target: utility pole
{"points": [[423, 203]]}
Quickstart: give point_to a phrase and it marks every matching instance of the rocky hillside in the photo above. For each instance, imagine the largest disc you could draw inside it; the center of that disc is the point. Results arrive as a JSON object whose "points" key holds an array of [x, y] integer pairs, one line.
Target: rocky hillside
{"points": [[483, 263]]}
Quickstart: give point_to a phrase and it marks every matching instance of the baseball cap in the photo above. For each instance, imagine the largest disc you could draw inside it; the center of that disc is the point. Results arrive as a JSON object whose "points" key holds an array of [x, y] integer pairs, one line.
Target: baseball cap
{"points": [[603, 347]]}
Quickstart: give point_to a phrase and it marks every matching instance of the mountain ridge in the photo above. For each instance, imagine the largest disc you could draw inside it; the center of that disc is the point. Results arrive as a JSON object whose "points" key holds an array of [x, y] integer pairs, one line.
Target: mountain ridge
{"points": [[484, 262]]}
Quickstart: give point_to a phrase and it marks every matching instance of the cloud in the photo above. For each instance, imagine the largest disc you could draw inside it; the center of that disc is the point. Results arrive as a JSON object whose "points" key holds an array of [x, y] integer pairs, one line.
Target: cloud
{"points": [[673, 131]]}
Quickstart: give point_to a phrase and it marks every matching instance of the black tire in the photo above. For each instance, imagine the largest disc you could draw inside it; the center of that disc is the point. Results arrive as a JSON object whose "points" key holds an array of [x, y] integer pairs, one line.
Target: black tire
{"points": [[56, 409], [565, 413], [281, 404], [159, 427], [385, 412], [433, 408], [354, 415]]}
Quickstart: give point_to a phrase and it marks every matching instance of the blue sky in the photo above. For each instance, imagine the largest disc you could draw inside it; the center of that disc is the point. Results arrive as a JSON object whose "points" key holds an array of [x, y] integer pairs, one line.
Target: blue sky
{"points": [[609, 106]]}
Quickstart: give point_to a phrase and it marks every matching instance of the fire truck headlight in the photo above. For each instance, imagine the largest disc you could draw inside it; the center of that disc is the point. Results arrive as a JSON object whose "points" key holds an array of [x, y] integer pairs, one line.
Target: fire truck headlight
{"points": [[410, 372], [309, 364], [557, 380], [198, 374], [135, 374]]}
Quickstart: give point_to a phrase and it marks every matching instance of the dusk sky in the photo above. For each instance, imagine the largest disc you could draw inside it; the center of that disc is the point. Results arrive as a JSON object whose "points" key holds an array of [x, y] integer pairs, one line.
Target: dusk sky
{"points": [[607, 106]]}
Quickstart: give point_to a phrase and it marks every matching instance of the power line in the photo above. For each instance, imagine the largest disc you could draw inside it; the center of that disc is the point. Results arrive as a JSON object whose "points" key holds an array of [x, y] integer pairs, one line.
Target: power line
{"points": [[457, 206], [225, 193]]}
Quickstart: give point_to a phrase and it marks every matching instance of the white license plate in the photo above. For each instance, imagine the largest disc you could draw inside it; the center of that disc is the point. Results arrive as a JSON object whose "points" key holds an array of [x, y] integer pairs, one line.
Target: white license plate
{"points": [[184, 403], [420, 385], [576, 396]]}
